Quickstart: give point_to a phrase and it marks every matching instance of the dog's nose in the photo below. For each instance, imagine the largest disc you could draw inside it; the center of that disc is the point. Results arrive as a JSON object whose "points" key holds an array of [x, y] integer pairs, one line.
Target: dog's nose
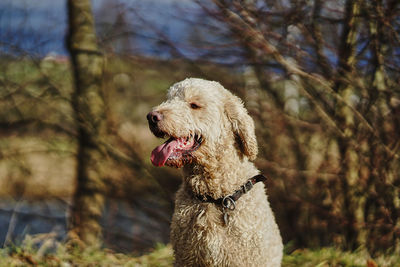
{"points": [[154, 117]]}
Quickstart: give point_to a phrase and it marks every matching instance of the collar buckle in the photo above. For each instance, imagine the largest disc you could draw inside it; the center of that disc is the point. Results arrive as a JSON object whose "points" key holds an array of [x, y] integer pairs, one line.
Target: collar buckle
{"points": [[228, 203]]}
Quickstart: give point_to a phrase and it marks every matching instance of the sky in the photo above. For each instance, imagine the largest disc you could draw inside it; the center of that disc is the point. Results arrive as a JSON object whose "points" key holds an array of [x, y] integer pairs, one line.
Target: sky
{"points": [[32, 26], [39, 27]]}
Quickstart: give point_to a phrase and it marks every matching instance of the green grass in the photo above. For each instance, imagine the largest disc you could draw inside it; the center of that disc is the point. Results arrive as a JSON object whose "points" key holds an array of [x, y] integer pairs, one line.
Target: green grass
{"points": [[332, 257], [52, 253], [66, 256]]}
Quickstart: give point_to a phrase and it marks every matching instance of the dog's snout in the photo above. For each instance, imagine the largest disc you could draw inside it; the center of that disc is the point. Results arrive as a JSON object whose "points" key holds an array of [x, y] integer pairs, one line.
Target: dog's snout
{"points": [[154, 117]]}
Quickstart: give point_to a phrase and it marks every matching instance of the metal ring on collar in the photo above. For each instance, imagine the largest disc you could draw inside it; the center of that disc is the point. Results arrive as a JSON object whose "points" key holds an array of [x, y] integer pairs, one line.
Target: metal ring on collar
{"points": [[228, 203]]}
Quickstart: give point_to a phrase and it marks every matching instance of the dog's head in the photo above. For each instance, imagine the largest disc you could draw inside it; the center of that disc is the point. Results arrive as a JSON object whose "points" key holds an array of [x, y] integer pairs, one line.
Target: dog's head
{"points": [[200, 118]]}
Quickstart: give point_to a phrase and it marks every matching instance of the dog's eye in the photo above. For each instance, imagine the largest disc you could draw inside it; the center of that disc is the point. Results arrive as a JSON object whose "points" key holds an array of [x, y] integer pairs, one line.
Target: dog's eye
{"points": [[194, 106]]}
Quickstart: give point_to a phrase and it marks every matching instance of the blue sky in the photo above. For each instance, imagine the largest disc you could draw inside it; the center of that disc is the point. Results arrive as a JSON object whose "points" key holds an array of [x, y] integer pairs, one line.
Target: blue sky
{"points": [[32, 26], [39, 26]]}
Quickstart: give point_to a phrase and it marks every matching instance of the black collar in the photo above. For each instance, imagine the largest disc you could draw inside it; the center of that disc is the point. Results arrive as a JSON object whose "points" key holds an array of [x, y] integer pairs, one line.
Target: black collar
{"points": [[229, 202]]}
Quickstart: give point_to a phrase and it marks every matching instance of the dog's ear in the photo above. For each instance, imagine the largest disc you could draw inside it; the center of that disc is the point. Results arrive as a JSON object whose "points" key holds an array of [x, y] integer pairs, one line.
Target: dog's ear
{"points": [[242, 125]]}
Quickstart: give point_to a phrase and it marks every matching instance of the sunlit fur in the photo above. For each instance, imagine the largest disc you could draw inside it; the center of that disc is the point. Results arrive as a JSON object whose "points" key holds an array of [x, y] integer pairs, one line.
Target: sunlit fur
{"points": [[219, 167]]}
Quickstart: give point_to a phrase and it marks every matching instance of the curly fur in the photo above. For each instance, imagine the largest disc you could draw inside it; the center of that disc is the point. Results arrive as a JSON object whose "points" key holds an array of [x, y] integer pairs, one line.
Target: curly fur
{"points": [[219, 167]]}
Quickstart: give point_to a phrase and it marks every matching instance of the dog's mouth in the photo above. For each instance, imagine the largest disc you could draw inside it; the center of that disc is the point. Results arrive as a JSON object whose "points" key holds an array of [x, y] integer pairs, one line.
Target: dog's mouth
{"points": [[176, 152]]}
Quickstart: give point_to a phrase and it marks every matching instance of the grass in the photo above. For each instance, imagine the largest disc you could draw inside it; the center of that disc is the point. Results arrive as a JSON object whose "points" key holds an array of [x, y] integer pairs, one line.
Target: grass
{"points": [[332, 257], [53, 253]]}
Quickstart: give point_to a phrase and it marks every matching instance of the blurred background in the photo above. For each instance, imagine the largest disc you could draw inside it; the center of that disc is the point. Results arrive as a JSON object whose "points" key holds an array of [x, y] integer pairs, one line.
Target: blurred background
{"points": [[320, 78]]}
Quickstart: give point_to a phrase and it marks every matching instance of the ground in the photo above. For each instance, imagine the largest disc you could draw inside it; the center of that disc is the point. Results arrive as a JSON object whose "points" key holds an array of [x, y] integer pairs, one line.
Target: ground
{"points": [[59, 255]]}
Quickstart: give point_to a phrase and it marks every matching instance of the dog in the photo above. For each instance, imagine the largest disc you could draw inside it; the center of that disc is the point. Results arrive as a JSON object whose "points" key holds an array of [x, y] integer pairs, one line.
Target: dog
{"points": [[222, 216]]}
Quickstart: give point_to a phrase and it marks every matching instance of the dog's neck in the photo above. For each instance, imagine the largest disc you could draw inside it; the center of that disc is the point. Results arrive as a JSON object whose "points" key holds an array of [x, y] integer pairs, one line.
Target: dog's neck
{"points": [[218, 177]]}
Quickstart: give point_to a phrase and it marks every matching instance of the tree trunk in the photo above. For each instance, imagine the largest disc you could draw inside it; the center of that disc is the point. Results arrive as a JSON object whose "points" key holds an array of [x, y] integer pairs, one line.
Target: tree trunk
{"points": [[388, 221], [88, 104], [352, 187]]}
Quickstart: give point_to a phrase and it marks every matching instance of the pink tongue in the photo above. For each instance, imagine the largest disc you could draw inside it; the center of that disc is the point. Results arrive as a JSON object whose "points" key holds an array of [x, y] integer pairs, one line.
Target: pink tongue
{"points": [[161, 153]]}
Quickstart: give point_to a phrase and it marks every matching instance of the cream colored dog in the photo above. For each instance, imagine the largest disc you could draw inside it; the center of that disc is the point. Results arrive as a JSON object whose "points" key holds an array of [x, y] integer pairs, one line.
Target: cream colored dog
{"points": [[222, 216]]}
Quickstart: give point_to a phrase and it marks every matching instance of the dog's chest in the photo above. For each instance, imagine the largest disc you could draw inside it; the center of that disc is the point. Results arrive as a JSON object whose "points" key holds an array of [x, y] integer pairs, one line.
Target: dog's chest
{"points": [[200, 236]]}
